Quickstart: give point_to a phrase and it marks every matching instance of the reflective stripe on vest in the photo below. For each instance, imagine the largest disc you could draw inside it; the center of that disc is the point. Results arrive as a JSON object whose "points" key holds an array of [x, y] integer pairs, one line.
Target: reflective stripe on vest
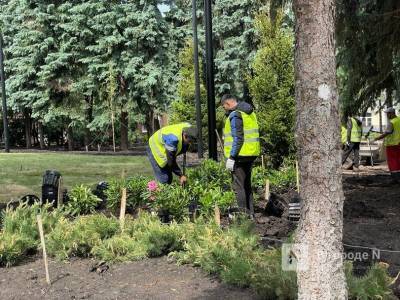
{"points": [[393, 139], [344, 135], [356, 131], [251, 144], [157, 145]]}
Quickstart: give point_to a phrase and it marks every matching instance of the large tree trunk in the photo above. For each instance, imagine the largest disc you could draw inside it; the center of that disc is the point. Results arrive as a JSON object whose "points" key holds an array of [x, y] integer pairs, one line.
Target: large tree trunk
{"points": [[28, 129], [318, 246], [41, 135], [124, 130], [89, 118]]}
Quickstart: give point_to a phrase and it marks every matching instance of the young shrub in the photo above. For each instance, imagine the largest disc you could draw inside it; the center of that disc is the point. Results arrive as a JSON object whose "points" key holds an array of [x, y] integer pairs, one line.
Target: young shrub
{"points": [[373, 285], [172, 200], [81, 201], [137, 191], [210, 174], [79, 237], [20, 235], [136, 188], [13, 247], [283, 179], [208, 198], [120, 248], [114, 193]]}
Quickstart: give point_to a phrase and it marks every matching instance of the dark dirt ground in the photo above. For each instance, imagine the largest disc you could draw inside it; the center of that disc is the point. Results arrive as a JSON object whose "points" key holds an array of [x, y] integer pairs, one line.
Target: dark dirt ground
{"points": [[371, 219], [155, 278]]}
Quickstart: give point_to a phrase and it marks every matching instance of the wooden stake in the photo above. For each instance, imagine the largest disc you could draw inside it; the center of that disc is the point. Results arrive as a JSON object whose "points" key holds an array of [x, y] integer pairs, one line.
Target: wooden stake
{"points": [[46, 266], [297, 177], [87, 148], [217, 213], [98, 148], [60, 200], [123, 209], [262, 162], [267, 190]]}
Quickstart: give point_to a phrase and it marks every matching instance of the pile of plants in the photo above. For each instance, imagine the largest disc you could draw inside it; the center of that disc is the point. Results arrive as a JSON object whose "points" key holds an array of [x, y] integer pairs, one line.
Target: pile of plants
{"points": [[234, 254]]}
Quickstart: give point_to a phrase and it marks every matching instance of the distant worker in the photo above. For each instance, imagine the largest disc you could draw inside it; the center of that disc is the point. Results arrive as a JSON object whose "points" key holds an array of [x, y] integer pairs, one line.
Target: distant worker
{"points": [[241, 148], [392, 143], [165, 145], [353, 140]]}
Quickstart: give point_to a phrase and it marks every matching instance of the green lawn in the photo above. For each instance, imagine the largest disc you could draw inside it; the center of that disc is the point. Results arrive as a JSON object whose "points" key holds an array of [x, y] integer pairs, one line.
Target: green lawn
{"points": [[21, 173]]}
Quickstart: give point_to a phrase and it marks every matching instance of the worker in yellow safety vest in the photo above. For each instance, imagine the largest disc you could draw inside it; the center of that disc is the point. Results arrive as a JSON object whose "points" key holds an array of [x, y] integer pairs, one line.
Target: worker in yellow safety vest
{"points": [[165, 145], [241, 148], [392, 143], [353, 140]]}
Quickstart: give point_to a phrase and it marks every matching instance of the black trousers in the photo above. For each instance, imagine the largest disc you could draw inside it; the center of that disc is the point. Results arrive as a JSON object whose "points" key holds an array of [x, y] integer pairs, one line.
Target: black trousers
{"points": [[241, 185], [355, 148]]}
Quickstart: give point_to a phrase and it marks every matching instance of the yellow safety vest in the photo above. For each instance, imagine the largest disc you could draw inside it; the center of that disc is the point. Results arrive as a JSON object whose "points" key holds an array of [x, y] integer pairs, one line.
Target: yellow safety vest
{"points": [[251, 144], [356, 131], [157, 144], [393, 139], [344, 135]]}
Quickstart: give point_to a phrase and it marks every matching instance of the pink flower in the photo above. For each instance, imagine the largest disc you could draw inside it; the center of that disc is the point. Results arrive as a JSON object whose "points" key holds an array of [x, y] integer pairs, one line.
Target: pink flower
{"points": [[152, 186]]}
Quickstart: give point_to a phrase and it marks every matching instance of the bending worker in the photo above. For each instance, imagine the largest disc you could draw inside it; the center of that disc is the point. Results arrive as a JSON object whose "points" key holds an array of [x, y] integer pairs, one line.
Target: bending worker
{"points": [[353, 140], [241, 148], [392, 143], [165, 145]]}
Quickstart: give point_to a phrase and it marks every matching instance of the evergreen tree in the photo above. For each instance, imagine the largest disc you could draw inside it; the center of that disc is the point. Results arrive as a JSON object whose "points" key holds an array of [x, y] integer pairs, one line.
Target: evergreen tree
{"points": [[272, 88]]}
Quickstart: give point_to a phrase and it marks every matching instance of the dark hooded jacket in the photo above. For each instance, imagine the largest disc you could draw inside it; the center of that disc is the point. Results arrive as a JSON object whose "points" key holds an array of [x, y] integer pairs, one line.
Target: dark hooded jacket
{"points": [[236, 120]]}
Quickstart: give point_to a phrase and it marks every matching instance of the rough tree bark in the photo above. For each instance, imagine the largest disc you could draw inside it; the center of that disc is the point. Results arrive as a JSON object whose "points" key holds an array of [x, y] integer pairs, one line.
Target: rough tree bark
{"points": [[319, 246], [124, 130]]}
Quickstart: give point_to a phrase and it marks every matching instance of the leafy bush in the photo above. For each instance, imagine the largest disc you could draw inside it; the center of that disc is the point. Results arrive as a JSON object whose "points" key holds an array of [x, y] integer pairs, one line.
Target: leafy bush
{"points": [[78, 237], [143, 237], [81, 201], [258, 177], [210, 174], [13, 247], [373, 285], [215, 196], [280, 180], [173, 200], [114, 192], [136, 188], [20, 233], [284, 178], [120, 248]]}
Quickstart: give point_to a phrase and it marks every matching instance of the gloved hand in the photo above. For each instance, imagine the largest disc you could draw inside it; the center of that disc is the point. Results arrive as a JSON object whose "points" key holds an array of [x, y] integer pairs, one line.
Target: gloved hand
{"points": [[347, 144], [230, 164]]}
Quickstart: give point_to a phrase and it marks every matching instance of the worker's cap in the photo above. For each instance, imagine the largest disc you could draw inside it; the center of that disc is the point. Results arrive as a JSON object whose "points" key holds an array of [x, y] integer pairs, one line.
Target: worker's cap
{"points": [[191, 133], [390, 110]]}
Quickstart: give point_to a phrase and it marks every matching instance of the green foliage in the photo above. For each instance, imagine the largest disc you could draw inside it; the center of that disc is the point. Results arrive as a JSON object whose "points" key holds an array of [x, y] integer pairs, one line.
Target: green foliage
{"points": [[143, 237], [20, 233], [81, 201], [235, 256], [280, 180], [272, 88], [78, 237], [373, 285], [210, 174], [136, 189], [172, 200], [210, 197]]}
